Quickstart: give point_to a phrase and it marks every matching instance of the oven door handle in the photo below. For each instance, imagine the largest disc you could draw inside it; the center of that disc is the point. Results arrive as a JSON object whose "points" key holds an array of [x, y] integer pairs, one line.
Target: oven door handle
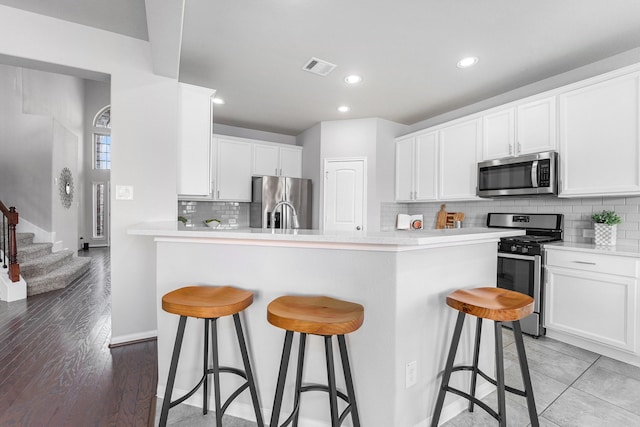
{"points": [[515, 256]]}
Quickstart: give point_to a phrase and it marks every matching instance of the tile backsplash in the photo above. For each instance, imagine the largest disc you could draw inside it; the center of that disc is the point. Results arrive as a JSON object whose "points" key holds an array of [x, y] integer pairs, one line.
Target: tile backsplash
{"points": [[227, 212], [577, 214]]}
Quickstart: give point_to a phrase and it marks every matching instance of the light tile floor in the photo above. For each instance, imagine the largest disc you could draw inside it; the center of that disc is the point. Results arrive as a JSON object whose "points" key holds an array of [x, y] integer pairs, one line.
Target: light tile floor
{"points": [[572, 387]]}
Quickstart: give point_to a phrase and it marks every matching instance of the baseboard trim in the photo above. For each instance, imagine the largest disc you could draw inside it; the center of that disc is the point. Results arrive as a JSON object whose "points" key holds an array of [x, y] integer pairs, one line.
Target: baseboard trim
{"points": [[133, 338]]}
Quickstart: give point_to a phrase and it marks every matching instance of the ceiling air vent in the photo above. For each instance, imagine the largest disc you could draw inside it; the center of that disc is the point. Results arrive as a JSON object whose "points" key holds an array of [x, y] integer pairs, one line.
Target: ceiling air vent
{"points": [[319, 66]]}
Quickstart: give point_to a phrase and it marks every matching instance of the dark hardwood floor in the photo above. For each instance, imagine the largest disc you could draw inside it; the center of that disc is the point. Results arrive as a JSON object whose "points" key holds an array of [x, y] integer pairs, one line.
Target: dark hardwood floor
{"points": [[56, 368]]}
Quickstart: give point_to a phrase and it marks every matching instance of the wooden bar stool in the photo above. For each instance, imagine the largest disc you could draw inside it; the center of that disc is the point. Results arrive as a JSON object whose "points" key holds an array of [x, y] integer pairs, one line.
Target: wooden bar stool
{"points": [[317, 316], [209, 303], [499, 305]]}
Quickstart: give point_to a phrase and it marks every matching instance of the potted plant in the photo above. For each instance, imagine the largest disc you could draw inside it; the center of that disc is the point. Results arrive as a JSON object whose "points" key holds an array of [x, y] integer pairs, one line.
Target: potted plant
{"points": [[212, 223], [605, 227]]}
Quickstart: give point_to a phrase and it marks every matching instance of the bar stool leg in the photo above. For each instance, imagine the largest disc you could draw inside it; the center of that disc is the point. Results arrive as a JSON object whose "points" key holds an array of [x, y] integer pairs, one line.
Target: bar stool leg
{"points": [[476, 356], [298, 391], [502, 413], [447, 370], [348, 379], [248, 371], [282, 376], [216, 371], [526, 378], [331, 376], [166, 402], [205, 383]]}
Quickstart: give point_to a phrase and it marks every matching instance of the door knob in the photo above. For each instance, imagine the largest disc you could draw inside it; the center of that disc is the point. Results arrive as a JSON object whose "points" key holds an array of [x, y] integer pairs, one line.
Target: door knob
{"points": [[358, 228]]}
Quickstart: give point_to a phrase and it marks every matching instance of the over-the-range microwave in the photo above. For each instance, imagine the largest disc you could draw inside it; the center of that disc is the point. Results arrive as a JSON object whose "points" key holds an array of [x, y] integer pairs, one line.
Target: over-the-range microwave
{"points": [[531, 174]]}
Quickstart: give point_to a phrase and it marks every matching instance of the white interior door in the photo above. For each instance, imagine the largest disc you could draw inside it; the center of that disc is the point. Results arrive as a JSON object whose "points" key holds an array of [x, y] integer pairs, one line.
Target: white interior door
{"points": [[344, 195]]}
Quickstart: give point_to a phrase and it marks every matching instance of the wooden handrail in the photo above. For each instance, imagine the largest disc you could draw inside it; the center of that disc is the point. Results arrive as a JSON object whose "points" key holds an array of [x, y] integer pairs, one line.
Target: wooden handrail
{"points": [[12, 219]]}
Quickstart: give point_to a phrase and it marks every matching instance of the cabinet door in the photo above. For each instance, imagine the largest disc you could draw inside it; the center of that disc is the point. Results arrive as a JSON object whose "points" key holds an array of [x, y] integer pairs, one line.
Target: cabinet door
{"points": [[498, 134], [233, 170], [599, 138], [458, 160], [426, 170], [404, 169], [599, 307], [194, 145], [291, 162], [265, 160], [536, 126]]}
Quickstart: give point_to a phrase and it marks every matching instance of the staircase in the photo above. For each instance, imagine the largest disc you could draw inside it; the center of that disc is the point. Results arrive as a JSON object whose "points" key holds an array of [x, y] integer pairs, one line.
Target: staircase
{"points": [[45, 271]]}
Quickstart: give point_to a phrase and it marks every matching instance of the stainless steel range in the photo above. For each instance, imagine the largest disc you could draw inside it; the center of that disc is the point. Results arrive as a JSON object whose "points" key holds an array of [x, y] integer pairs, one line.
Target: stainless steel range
{"points": [[521, 258]]}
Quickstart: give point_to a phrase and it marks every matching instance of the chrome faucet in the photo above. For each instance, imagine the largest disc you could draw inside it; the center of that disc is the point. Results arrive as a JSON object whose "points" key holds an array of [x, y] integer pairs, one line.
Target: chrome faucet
{"points": [[294, 216]]}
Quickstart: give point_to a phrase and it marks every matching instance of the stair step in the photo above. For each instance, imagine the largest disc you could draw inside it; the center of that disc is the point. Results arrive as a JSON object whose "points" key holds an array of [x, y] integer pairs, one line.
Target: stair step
{"points": [[45, 264], [60, 277], [22, 239], [33, 251]]}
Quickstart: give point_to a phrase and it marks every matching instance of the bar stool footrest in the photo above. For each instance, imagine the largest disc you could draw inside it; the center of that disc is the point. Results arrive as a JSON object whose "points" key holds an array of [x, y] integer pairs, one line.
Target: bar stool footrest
{"points": [[475, 400], [319, 387], [491, 380]]}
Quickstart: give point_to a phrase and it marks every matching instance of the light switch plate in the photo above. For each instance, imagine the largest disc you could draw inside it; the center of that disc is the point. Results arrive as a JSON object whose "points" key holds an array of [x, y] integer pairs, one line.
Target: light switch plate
{"points": [[411, 374], [124, 192]]}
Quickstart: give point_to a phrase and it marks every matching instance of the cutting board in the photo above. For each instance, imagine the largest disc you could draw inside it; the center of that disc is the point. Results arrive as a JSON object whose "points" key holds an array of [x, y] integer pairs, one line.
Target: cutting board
{"points": [[447, 219]]}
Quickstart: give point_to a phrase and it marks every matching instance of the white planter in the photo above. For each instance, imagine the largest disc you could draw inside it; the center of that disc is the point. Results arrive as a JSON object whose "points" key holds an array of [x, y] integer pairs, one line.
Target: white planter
{"points": [[605, 234]]}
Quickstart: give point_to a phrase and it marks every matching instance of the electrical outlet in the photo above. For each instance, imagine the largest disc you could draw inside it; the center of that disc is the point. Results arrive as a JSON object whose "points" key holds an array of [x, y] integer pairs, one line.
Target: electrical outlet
{"points": [[588, 232], [411, 374]]}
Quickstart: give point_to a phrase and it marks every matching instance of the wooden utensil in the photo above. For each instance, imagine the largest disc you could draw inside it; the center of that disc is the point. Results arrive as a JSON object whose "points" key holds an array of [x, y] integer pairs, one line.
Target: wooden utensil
{"points": [[441, 219]]}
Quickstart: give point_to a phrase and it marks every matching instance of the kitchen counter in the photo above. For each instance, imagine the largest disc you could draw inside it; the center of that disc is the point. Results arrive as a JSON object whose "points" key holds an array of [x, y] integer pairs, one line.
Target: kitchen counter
{"points": [[622, 250], [401, 278]]}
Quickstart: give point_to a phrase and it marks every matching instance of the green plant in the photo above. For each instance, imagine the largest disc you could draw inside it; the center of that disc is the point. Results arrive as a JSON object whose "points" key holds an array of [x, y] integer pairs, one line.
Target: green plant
{"points": [[211, 220], [606, 217], [182, 219]]}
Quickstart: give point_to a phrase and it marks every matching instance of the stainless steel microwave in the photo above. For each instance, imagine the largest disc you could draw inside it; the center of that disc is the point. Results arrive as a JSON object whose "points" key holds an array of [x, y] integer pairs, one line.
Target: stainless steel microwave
{"points": [[531, 174]]}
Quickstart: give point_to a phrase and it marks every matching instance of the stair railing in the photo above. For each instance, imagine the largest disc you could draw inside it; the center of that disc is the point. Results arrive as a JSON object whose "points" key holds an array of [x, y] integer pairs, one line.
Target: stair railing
{"points": [[9, 244]]}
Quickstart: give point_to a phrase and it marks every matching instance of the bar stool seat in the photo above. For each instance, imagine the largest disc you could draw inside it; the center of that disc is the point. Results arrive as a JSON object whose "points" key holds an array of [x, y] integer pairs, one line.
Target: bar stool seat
{"points": [[499, 305], [323, 316], [209, 303]]}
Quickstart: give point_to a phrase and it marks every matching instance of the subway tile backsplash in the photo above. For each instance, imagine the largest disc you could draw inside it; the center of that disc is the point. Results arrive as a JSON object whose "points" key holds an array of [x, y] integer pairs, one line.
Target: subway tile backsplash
{"points": [[577, 214], [227, 212]]}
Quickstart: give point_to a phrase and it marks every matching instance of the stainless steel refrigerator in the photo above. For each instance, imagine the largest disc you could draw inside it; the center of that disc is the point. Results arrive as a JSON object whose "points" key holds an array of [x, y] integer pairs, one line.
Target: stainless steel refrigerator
{"points": [[292, 196]]}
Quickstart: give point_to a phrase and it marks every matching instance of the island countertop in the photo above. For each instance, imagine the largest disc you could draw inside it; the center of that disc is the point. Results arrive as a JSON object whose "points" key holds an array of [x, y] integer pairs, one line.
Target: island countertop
{"points": [[400, 240]]}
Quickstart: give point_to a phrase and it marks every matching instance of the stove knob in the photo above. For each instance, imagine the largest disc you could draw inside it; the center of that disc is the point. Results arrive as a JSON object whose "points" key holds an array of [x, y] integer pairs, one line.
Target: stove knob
{"points": [[525, 250], [513, 248]]}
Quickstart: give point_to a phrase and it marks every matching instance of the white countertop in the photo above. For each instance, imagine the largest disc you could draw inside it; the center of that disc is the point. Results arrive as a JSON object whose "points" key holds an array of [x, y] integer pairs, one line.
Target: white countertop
{"points": [[622, 250], [404, 238]]}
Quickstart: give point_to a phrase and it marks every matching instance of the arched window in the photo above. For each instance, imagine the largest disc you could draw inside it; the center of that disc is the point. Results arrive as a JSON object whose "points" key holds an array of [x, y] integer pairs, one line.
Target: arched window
{"points": [[102, 139]]}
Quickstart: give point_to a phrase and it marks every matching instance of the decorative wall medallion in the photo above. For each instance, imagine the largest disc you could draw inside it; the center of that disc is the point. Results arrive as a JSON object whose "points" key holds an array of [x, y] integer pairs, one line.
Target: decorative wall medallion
{"points": [[65, 186]]}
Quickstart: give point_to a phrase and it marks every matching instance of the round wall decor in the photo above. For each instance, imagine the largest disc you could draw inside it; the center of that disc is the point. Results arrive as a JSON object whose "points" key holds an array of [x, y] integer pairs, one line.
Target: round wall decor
{"points": [[65, 187]]}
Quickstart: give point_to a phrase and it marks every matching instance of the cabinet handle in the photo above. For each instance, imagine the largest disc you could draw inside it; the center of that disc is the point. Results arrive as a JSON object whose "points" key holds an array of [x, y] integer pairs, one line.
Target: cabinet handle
{"points": [[510, 149], [276, 172], [519, 148], [584, 262]]}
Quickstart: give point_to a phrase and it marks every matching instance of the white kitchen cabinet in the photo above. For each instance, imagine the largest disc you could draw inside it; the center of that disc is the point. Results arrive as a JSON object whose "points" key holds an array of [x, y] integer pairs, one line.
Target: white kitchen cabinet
{"points": [[277, 160], [233, 170], [592, 297], [194, 145], [416, 167], [600, 138], [529, 127], [459, 147]]}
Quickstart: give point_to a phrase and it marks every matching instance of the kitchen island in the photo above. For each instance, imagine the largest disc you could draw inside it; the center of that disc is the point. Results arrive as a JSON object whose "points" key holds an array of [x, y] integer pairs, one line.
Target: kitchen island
{"points": [[401, 278]]}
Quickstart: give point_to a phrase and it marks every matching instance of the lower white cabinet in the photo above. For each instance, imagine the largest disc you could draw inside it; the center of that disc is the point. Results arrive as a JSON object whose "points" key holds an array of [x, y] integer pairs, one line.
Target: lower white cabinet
{"points": [[593, 296]]}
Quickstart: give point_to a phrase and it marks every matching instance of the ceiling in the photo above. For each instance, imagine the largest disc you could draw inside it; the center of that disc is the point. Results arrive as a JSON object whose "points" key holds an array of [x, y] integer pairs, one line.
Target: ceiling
{"points": [[253, 51]]}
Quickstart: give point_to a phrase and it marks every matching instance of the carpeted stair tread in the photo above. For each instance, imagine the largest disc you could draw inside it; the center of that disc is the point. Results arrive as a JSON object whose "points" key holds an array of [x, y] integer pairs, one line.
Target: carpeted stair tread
{"points": [[44, 264], [60, 277], [33, 251], [22, 239]]}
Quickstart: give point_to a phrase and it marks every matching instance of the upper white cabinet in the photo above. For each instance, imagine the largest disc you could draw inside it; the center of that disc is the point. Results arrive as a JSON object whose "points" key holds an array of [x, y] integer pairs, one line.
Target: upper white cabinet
{"points": [[592, 298], [233, 170], [416, 167], [459, 146], [277, 160], [599, 138], [526, 128], [194, 145]]}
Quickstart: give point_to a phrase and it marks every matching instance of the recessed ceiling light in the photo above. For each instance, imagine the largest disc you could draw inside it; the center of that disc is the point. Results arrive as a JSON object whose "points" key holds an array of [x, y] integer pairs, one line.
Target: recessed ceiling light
{"points": [[344, 109], [218, 101], [353, 79], [468, 61]]}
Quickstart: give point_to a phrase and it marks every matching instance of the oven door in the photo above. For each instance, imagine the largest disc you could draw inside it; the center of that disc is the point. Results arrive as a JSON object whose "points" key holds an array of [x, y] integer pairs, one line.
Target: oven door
{"points": [[520, 273]]}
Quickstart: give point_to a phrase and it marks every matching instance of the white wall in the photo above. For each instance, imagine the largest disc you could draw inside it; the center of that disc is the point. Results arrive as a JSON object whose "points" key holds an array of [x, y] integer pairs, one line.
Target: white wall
{"points": [[144, 135], [64, 220], [310, 140]]}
